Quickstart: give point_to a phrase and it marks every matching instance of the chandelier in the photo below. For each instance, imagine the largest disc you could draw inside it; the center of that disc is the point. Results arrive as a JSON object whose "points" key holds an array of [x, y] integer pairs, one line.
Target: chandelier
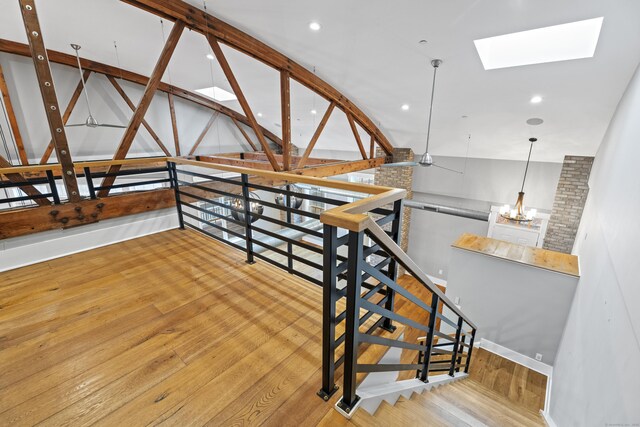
{"points": [[294, 201], [519, 213], [255, 209]]}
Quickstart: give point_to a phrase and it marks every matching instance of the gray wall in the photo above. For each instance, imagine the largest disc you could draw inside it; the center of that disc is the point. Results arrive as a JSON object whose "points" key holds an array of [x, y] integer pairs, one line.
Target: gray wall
{"points": [[520, 307], [484, 183], [596, 378]]}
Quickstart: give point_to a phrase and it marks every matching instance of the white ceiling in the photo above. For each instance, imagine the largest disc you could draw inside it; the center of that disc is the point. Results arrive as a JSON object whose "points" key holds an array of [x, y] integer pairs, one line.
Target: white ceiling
{"points": [[369, 50]]}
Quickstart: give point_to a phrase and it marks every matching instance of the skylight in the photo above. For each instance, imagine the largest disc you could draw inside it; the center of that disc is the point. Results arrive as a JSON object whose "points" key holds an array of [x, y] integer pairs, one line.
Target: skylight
{"points": [[564, 42], [217, 94]]}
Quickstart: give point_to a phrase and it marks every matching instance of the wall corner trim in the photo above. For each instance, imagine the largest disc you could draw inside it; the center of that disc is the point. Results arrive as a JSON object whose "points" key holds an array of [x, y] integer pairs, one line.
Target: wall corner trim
{"points": [[547, 418]]}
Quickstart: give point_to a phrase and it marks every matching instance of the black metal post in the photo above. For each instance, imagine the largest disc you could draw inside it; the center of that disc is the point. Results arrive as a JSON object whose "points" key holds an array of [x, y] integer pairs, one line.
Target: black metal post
{"points": [[89, 179], [53, 187], [433, 316], [456, 345], [288, 212], [473, 337], [247, 218], [354, 284], [396, 235], [460, 352], [329, 298], [173, 176]]}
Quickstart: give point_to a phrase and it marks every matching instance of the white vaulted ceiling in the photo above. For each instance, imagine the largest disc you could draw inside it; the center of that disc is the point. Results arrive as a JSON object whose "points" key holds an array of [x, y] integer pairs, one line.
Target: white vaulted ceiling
{"points": [[369, 50]]}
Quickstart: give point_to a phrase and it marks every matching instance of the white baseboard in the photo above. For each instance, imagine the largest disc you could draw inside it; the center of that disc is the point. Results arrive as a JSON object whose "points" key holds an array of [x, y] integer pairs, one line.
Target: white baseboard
{"points": [[514, 356], [548, 419], [39, 247]]}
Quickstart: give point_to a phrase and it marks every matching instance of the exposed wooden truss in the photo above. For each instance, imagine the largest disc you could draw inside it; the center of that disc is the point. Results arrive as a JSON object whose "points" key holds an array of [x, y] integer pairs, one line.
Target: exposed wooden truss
{"points": [[245, 135], [356, 135], [316, 135], [174, 123], [285, 103], [198, 20], [17, 178], [56, 57], [235, 86], [131, 105], [145, 102], [48, 92], [203, 133], [13, 123], [67, 113], [339, 168]]}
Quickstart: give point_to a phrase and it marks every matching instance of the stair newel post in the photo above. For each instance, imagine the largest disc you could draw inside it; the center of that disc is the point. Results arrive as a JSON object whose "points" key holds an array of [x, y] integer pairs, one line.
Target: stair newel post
{"points": [[396, 235], [354, 286], [456, 346], [246, 206], [173, 176], [426, 361], [473, 337], [329, 299]]}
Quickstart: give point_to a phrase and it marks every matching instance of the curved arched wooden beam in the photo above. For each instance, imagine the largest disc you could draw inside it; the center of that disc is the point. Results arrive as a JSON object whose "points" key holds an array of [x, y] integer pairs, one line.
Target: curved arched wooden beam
{"points": [[198, 20], [57, 57]]}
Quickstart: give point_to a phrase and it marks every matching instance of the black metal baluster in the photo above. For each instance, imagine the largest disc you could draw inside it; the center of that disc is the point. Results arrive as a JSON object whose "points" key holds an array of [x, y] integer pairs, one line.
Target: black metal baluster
{"points": [[460, 353], [473, 337], [53, 187], [456, 344], [247, 218], [173, 175], [288, 212], [424, 375], [354, 283], [89, 179], [329, 298], [396, 234]]}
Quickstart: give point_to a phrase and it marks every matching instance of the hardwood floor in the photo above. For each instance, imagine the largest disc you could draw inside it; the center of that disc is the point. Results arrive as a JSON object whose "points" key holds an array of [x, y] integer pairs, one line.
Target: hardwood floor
{"points": [[172, 328]]}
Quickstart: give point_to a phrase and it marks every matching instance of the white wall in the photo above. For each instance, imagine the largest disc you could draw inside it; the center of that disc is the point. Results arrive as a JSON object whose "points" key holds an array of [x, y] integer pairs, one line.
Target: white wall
{"points": [[597, 373], [485, 182]]}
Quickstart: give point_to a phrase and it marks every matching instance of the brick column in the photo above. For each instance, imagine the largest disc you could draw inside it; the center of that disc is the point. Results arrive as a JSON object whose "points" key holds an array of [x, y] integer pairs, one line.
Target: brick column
{"points": [[568, 204], [401, 177]]}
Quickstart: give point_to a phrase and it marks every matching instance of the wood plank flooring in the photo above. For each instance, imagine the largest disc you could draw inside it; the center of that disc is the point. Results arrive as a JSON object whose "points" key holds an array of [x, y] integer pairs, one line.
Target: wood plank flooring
{"points": [[172, 328]]}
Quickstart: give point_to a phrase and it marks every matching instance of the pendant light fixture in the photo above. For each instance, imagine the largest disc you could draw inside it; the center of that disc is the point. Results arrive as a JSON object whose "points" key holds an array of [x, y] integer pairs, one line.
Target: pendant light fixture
{"points": [[256, 209], [518, 213]]}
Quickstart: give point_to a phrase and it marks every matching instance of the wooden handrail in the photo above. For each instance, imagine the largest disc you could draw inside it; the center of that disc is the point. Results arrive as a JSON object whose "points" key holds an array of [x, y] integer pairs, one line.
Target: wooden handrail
{"points": [[91, 164]]}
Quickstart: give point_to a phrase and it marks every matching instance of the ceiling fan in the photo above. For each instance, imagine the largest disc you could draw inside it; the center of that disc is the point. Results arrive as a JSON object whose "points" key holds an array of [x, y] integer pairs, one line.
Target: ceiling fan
{"points": [[425, 160], [90, 122]]}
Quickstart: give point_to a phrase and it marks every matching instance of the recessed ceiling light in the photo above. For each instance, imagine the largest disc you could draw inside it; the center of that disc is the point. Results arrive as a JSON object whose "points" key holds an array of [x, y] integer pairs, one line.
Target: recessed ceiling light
{"points": [[405, 107], [314, 112], [534, 121], [314, 26], [210, 56], [536, 99], [564, 42], [259, 114], [217, 93]]}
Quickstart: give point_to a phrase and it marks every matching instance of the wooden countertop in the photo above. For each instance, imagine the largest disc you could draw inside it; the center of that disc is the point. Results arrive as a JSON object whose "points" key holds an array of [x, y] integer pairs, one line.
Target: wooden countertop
{"points": [[535, 257]]}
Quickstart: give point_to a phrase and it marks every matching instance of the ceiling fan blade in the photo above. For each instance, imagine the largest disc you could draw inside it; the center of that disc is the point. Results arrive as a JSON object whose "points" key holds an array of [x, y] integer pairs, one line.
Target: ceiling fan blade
{"points": [[398, 164], [75, 125], [450, 170], [104, 125]]}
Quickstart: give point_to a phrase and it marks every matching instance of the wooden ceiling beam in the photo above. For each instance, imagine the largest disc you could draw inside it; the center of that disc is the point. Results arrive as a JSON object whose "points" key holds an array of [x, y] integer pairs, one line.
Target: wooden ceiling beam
{"points": [[253, 164], [49, 98], [294, 159], [146, 125], [204, 23], [235, 87], [13, 122], [174, 123], [356, 135], [340, 168], [285, 106], [203, 133], [56, 57], [145, 102], [316, 136], [27, 189], [67, 114], [244, 134]]}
